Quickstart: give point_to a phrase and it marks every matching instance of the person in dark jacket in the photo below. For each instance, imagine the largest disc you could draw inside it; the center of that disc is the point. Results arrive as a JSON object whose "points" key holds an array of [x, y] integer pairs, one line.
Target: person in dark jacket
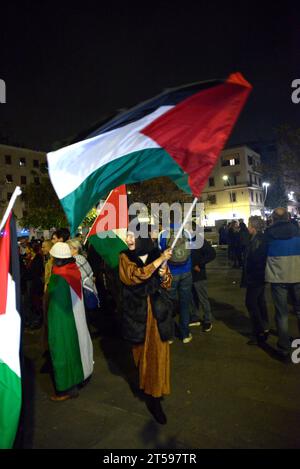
{"points": [[283, 272], [223, 234], [201, 257], [244, 238], [254, 280], [36, 275], [147, 319]]}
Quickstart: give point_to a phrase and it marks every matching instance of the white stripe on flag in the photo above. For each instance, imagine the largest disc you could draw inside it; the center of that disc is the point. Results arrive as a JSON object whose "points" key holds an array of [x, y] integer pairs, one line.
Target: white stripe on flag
{"points": [[71, 165], [10, 324], [84, 339]]}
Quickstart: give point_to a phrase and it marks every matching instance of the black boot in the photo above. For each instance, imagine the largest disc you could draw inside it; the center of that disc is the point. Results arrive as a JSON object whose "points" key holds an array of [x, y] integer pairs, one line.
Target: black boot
{"points": [[154, 406]]}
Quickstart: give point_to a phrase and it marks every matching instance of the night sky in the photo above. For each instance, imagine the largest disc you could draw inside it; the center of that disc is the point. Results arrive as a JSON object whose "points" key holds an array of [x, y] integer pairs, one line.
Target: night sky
{"points": [[66, 68]]}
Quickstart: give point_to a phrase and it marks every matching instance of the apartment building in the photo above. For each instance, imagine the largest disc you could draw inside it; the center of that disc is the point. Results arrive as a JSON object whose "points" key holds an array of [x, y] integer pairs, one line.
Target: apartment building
{"points": [[235, 188]]}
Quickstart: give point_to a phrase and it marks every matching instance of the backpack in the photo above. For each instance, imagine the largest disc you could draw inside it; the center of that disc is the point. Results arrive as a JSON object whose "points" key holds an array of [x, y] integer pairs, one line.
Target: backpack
{"points": [[181, 252]]}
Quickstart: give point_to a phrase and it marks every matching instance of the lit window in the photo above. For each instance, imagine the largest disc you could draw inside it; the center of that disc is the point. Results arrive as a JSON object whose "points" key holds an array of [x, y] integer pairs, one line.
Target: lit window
{"points": [[232, 162], [22, 161]]}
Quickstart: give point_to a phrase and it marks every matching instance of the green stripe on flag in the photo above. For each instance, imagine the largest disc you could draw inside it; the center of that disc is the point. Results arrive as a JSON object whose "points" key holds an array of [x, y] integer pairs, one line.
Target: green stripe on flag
{"points": [[134, 167], [109, 247], [10, 405]]}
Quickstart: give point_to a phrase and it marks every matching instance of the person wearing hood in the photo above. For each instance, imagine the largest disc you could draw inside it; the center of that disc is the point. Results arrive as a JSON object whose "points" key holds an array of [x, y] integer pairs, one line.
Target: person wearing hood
{"points": [[69, 340], [283, 272], [147, 321]]}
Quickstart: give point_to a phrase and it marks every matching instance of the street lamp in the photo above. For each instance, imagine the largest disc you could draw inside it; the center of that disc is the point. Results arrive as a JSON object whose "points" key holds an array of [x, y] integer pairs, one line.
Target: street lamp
{"points": [[226, 179], [265, 186]]}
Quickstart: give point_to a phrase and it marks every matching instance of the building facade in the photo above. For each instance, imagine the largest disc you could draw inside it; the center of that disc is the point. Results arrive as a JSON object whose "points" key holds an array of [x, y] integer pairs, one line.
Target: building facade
{"points": [[235, 188], [18, 167]]}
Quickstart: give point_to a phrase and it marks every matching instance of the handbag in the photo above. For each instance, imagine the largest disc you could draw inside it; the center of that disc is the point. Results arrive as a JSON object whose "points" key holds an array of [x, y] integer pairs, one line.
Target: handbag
{"points": [[91, 300]]}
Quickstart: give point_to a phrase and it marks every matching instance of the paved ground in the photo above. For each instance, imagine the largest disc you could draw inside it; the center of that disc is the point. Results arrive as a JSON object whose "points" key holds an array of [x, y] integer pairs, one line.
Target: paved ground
{"points": [[225, 394]]}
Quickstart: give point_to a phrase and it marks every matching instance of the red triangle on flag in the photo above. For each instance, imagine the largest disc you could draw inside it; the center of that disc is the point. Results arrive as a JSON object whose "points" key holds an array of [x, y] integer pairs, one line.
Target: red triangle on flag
{"points": [[114, 212]]}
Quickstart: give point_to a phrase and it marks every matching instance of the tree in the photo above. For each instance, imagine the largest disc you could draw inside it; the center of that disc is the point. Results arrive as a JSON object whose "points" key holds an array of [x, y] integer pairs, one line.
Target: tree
{"points": [[158, 190], [288, 139], [42, 206], [44, 209], [283, 170]]}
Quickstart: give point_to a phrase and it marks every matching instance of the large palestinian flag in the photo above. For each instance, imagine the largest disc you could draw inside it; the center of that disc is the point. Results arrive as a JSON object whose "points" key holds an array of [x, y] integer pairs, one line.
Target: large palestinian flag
{"points": [[179, 134], [10, 329], [69, 340], [108, 233]]}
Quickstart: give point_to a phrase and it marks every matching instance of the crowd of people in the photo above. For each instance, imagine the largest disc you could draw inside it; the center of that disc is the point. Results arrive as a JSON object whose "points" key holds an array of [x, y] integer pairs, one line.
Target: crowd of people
{"points": [[155, 283]]}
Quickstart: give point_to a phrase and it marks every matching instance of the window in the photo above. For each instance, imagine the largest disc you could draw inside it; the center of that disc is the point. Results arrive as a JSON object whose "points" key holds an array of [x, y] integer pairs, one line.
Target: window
{"points": [[36, 180], [7, 159], [8, 196], [211, 182], [231, 162], [36, 163], [251, 182], [212, 199], [23, 180], [234, 180], [22, 161], [9, 178], [251, 195], [232, 196], [260, 197], [256, 197], [255, 179], [250, 160], [259, 182]]}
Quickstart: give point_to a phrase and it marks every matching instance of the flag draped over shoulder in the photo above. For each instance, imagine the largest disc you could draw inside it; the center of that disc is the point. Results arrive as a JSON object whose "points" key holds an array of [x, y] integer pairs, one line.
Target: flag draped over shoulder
{"points": [[10, 330], [108, 232], [179, 134], [70, 343]]}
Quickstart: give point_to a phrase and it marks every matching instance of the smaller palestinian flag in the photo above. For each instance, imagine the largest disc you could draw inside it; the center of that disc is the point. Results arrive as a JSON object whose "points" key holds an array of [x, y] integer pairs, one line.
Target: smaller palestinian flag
{"points": [[108, 232], [10, 331]]}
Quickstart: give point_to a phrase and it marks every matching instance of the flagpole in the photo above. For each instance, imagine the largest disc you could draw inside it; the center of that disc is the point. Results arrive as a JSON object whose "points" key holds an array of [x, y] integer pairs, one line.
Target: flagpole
{"points": [[96, 218], [13, 198], [183, 225]]}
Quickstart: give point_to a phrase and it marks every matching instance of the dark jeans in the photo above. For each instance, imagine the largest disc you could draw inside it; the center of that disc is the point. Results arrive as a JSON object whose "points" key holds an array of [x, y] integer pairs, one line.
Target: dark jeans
{"points": [[200, 290], [257, 308], [280, 300], [182, 288]]}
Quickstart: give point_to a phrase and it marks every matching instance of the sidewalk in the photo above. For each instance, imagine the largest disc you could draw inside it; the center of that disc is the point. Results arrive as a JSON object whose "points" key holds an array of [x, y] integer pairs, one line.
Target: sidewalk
{"points": [[225, 394]]}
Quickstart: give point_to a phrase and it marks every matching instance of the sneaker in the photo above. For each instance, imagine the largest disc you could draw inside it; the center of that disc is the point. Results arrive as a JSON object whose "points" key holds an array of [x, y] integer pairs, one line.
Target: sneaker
{"points": [[195, 324], [207, 327], [188, 339]]}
